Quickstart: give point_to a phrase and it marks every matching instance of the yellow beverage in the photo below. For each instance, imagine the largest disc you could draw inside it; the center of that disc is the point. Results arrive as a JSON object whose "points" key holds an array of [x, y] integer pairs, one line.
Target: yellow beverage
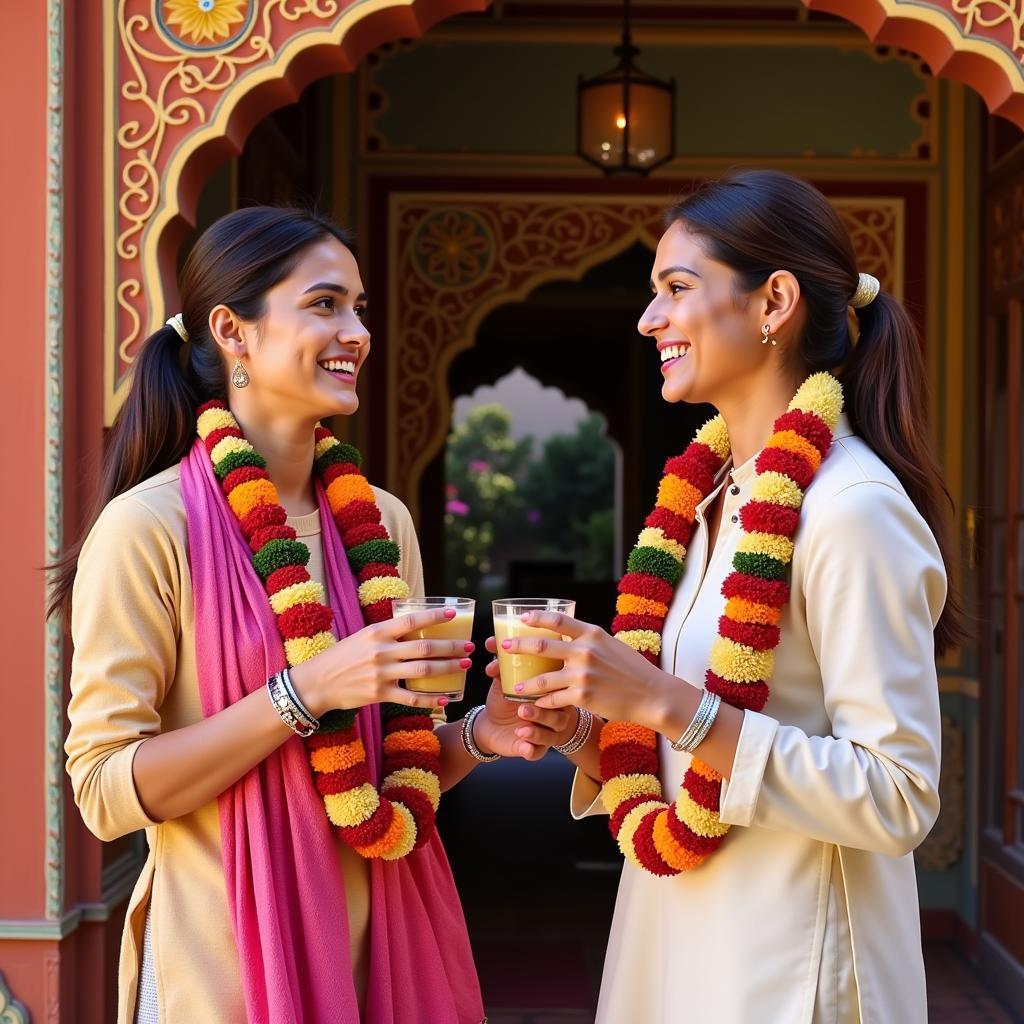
{"points": [[518, 668], [451, 684]]}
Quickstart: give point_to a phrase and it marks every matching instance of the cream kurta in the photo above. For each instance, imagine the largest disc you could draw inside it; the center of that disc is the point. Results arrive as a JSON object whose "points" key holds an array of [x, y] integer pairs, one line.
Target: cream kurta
{"points": [[134, 675], [833, 784]]}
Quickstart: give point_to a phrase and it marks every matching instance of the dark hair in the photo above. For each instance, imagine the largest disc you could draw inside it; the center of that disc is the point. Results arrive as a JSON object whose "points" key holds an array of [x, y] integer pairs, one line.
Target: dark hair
{"points": [[235, 262], [759, 222]]}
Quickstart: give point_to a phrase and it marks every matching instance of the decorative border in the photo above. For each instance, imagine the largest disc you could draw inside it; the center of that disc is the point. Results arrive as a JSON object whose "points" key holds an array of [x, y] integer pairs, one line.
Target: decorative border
{"points": [[11, 1011], [54, 445], [965, 40], [453, 258], [164, 104]]}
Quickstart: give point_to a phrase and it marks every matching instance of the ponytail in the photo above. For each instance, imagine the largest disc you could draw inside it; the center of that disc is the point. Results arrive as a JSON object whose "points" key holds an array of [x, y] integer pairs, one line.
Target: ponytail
{"points": [[236, 261], [152, 431], [757, 222], [886, 401]]}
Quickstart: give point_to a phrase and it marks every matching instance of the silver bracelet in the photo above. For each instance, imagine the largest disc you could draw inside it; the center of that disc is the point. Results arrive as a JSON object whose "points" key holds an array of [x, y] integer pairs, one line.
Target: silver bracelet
{"points": [[311, 719], [576, 742], [290, 711], [700, 724], [467, 737]]}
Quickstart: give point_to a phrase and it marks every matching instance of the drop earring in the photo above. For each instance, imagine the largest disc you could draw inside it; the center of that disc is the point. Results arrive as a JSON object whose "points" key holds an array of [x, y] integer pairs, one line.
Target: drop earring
{"points": [[766, 331], [239, 378]]}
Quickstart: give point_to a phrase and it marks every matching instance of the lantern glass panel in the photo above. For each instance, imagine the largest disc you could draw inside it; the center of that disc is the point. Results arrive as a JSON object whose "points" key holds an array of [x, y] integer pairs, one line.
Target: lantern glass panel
{"points": [[601, 125]]}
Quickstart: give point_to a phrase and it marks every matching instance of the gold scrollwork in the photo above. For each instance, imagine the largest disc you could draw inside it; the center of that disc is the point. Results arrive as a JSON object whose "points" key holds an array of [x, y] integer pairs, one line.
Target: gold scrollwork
{"points": [[994, 14], [435, 309], [534, 239], [167, 89]]}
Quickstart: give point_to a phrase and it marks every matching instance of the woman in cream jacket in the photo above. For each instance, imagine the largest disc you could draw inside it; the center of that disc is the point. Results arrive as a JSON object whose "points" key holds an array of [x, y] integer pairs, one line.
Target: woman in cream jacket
{"points": [[815, 720]]}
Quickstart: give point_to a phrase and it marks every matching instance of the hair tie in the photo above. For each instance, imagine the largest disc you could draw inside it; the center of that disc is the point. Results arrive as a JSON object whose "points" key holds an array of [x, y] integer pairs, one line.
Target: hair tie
{"points": [[867, 289], [178, 323]]}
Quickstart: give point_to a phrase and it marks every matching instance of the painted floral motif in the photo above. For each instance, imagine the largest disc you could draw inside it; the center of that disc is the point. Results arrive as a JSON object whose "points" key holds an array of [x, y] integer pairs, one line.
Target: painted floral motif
{"points": [[453, 249], [204, 21]]}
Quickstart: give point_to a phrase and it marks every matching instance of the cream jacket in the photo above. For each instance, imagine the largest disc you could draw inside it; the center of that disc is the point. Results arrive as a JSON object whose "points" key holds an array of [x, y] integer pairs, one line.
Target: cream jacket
{"points": [[134, 675], [808, 912]]}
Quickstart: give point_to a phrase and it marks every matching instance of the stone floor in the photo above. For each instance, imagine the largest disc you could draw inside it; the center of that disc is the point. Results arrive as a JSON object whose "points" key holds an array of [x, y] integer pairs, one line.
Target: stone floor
{"points": [[533, 881], [955, 996]]}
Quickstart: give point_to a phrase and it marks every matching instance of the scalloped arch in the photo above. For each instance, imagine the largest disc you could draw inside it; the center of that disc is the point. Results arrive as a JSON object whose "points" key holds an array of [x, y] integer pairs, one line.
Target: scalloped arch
{"points": [[173, 112], [977, 42]]}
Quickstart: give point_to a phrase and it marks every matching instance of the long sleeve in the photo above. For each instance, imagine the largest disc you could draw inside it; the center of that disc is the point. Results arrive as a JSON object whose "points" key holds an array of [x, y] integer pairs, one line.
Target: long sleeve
{"points": [[125, 627], [874, 586]]}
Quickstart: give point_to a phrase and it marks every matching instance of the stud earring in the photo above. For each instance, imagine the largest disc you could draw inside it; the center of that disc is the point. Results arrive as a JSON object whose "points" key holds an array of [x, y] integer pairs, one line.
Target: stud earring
{"points": [[766, 331], [239, 378]]}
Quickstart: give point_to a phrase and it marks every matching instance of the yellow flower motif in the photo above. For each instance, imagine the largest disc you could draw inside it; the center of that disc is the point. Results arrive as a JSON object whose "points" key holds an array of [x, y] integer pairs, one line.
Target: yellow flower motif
{"points": [[201, 21], [771, 544], [381, 587], [778, 489], [214, 419], [641, 640], [352, 807], [426, 782], [227, 446], [715, 434], [821, 394], [309, 592], [739, 663], [700, 819], [325, 445], [624, 787], [630, 823], [654, 537], [408, 836], [302, 648]]}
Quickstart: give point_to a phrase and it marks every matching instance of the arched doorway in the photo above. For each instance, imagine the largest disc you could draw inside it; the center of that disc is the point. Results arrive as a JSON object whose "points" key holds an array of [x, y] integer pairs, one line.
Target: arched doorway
{"points": [[161, 217]]}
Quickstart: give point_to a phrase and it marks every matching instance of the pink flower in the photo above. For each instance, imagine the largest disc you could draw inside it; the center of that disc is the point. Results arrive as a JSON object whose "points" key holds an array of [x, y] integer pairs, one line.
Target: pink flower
{"points": [[457, 508], [479, 466]]}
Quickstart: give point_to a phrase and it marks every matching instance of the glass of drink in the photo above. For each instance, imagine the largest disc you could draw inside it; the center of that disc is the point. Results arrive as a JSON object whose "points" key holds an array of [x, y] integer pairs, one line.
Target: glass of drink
{"points": [[508, 625], [452, 684]]}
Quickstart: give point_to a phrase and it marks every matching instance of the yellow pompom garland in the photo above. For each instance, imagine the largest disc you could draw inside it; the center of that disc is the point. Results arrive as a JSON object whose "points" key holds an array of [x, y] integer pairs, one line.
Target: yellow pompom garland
{"points": [[668, 838]]}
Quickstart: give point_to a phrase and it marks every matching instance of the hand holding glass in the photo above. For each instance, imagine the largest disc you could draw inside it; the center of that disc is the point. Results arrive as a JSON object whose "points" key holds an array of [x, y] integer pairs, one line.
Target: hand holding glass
{"points": [[453, 684], [508, 624]]}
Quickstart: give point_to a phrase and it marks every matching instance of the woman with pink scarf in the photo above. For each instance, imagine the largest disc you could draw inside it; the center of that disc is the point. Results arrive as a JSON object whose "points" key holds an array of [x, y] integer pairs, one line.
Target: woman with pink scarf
{"points": [[236, 679]]}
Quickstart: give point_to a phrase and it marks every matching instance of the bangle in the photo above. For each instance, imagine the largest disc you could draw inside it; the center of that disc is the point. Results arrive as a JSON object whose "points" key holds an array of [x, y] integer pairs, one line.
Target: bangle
{"points": [[311, 719], [700, 724], [467, 737], [291, 712], [584, 724]]}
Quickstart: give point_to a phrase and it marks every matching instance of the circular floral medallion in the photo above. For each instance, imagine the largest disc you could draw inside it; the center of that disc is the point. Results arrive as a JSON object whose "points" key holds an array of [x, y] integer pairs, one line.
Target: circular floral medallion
{"points": [[204, 24], [452, 248]]}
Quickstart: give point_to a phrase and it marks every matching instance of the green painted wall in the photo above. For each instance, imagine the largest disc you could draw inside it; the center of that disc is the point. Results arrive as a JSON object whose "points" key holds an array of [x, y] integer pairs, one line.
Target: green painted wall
{"points": [[520, 98]]}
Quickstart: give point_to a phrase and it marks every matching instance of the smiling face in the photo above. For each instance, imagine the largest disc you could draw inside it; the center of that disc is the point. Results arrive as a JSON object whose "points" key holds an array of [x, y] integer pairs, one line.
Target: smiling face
{"points": [[304, 356], [706, 329]]}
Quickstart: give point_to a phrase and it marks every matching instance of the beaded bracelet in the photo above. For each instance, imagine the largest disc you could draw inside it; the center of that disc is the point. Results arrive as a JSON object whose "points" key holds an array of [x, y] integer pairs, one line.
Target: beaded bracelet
{"points": [[288, 706], [576, 742], [700, 724], [467, 737]]}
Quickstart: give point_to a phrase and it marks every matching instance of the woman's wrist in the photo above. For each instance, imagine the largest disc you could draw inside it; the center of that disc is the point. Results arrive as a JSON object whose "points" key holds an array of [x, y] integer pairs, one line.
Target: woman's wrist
{"points": [[673, 707], [309, 687], [480, 732]]}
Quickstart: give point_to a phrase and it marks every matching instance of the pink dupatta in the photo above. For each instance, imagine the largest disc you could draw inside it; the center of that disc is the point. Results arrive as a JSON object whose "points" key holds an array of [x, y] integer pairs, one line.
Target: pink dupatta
{"points": [[284, 883]]}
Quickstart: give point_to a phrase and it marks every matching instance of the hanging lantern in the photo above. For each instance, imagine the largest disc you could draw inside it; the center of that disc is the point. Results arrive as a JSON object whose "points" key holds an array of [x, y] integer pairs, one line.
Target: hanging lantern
{"points": [[626, 117]]}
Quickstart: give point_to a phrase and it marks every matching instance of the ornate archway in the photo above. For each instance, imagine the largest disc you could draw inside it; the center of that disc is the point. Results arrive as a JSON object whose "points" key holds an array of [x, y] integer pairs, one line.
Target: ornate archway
{"points": [[977, 42], [185, 82], [454, 259]]}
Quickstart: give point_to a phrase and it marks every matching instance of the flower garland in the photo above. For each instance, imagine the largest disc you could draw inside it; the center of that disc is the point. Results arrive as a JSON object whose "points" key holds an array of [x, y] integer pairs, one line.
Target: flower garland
{"points": [[401, 817], [668, 838]]}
